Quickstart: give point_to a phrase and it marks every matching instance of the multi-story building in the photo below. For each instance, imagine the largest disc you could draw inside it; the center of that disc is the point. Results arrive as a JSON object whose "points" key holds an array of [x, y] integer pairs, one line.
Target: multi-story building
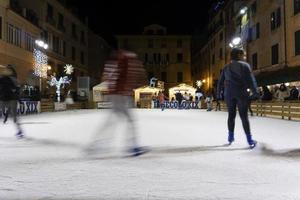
{"points": [[17, 40], [166, 57], [66, 34], [270, 35]]}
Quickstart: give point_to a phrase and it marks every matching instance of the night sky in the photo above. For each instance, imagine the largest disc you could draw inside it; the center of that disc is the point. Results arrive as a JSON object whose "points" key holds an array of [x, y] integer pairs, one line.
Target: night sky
{"points": [[110, 17]]}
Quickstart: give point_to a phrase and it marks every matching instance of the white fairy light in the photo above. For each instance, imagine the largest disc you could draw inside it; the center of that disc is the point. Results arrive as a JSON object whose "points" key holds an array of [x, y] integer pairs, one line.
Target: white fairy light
{"points": [[69, 69], [40, 63]]}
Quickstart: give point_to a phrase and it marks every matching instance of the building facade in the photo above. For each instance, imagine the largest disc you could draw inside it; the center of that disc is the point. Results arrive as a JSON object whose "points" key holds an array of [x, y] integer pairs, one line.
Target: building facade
{"points": [[22, 22], [17, 40], [166, 57], [270, 34]]}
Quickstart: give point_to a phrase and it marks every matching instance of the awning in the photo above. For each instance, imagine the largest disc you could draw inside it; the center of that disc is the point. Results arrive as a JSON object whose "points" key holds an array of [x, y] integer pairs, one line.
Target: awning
{"points": [[284, 75]]}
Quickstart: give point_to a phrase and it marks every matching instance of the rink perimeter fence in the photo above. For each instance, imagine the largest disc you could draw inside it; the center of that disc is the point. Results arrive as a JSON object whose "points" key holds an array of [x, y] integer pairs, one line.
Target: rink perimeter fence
{"points": [[281, 110]]}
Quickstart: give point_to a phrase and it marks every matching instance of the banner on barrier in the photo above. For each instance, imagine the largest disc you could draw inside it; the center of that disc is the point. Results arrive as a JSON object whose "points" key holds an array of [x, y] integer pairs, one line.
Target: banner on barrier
{"points": [[27, 107]]}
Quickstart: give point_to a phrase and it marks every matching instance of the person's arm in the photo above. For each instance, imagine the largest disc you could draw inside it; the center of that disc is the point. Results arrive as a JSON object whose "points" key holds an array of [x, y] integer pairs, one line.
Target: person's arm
{"points": [[220, 86], [251, 81]]}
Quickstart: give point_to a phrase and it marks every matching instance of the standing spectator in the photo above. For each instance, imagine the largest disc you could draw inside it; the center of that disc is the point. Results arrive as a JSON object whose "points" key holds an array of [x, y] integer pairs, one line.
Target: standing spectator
{"points": [[294, 93], [161, 100], [266, 94], [236, 78], [208, 101], [179, 98], [282, 93]]}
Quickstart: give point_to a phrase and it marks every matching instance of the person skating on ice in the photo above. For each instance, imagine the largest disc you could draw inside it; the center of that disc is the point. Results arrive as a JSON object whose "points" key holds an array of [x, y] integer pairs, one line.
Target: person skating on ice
{"points": [[236, 78]]}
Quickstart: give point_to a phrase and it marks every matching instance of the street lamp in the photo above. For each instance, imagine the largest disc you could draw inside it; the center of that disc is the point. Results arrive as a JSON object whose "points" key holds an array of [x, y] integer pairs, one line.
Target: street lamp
{"points": [[41, 44], [235, 42], [243, 10]]}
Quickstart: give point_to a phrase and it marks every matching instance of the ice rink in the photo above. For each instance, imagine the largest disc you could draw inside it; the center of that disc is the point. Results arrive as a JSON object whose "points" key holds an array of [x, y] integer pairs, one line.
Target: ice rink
{"points": [[188, 159]]}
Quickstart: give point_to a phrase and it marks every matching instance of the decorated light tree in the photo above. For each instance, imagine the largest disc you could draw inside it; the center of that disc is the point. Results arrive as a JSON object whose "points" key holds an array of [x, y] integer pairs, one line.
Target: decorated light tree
{"points": [[62, 81]]}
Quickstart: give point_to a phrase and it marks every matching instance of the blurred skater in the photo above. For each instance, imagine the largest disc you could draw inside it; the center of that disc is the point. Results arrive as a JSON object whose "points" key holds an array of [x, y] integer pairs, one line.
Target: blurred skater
{"points": [[123, 73]]}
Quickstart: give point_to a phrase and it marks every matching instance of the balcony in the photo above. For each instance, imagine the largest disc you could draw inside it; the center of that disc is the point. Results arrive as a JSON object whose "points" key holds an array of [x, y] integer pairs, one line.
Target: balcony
{"points": [[26, 13]]}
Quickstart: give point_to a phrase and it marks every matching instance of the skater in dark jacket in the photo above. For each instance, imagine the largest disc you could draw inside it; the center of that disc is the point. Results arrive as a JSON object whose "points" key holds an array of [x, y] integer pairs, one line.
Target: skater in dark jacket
{"points": [[236, 78], [9, 96]]}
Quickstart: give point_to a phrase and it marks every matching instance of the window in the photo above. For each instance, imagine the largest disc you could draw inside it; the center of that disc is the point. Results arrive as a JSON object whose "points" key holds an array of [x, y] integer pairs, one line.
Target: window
{"points": [[0, 27], [253, 8], [163, 43], [159, 58], [179, 57], [49, 11], [275, 54], [254, 61], [146, 58], [55, 44], [297, 43], [160, 32], [45, 36], [179, 77], [82, 57], [150, 43], [82, 37], [221, 54], [60, 25], [296, 6], [64, 48], [276, 19], [221, 36], [213, 59], [154, 57], [168, 58], [164, 76], [179, 43], [73, 53], [29, 42], [257, 30], [13, 35], [74, 32]]}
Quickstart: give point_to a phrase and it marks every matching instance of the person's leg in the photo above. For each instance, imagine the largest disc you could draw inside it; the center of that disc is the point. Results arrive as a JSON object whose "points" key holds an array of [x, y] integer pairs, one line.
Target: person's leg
{"points": [[231, 105], [13, 106], [6, 110], [243, 111]]}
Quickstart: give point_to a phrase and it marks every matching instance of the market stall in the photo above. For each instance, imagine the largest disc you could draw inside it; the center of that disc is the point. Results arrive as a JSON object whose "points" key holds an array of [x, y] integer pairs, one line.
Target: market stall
{"points": [[182, 88], [143, 96]]}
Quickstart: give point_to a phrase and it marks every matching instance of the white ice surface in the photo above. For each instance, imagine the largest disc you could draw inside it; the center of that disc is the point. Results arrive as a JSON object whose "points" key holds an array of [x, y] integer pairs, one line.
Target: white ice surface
{"points": [[187, 160]]}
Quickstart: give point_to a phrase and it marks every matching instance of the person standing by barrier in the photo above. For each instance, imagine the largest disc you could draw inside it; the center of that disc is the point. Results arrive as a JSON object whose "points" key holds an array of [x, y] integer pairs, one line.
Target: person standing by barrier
{"points": [[236, 78], [123, 73], [9, 96]]}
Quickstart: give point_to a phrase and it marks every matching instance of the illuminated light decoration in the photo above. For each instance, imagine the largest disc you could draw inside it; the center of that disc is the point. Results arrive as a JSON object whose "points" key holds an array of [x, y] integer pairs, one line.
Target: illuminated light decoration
{"points": [[58, 83], [204, 81], [40, 63], [199, 83], [69, 69], [287, 84]]}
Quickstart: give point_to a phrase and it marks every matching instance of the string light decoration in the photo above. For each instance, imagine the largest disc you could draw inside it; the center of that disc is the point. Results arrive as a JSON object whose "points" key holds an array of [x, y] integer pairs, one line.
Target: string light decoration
{"points": [[40, 63], [69, 69], [58, 83]]}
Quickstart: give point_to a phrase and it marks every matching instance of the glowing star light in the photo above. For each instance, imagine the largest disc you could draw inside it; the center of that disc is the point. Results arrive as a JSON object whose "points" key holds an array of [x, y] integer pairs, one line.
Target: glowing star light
{"points": [[69, 69]]}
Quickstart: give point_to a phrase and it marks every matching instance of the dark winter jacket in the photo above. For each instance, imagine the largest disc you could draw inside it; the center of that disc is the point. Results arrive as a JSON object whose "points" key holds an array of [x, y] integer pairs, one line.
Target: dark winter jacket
{"points": [[9, 89], [236, 78]]}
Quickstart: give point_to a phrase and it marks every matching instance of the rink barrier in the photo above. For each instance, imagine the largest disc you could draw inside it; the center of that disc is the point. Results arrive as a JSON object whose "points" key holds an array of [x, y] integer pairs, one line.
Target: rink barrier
{"points": [[283, 110], [48, 106]]}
